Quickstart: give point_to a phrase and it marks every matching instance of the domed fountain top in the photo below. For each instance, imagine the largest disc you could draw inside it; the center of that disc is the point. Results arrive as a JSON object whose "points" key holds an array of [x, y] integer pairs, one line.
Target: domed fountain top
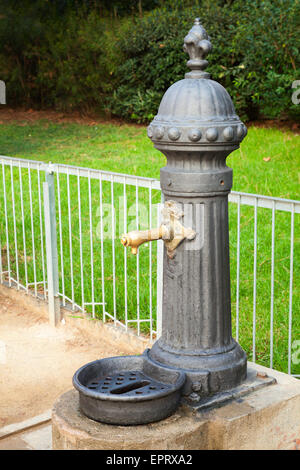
{"points": [[196, 111]]}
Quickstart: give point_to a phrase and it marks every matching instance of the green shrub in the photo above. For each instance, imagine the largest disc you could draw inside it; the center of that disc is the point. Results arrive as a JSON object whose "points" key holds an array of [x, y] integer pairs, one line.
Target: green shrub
{"points": [[67, 55], [72, 71], [255, 56], [53, 60], [21, 34]]}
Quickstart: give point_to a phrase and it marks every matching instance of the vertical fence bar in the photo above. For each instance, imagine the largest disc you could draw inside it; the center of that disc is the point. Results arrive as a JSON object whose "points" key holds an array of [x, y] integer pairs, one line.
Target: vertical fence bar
{"points": [[70, 239], [51, 248], [291, 288], [150, 264], [101, 246], [125, 253], [61, 241], [80, 241], [6, 226], [42, 234], [272, 288], [238, 269], [32, 231], [137, 259], [113, 247], [23, 228], [15, 225], [1, 267], [91, 245], [254, 281]]}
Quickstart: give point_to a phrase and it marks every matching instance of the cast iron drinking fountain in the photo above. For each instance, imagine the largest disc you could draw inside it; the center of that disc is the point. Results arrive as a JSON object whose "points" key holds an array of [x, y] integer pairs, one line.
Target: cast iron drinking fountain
{"points": [[195, 361]]}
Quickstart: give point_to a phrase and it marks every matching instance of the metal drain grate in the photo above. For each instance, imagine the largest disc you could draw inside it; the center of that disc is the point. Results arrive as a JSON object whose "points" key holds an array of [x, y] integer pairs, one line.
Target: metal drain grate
{"points": [[131, 383], [128, 390]]}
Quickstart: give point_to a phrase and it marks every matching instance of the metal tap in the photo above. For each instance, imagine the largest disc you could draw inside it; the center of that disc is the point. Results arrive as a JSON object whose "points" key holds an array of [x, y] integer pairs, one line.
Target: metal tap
{"points": [[171, 231]]}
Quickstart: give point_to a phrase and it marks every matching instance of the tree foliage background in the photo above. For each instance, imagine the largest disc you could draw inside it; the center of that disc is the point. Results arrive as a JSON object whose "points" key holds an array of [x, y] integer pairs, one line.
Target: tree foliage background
{"points": [[119, 57]]}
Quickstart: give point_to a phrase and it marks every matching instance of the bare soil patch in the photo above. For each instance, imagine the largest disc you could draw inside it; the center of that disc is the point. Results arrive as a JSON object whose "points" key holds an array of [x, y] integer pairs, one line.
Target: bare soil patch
{"points": [[26, 116], [276, 124], [37, 361], [23, 116]]}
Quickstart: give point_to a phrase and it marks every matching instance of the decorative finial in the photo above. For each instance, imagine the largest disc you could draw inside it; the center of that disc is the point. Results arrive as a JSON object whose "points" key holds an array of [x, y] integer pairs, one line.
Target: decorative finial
{"points": [[197, 45]]}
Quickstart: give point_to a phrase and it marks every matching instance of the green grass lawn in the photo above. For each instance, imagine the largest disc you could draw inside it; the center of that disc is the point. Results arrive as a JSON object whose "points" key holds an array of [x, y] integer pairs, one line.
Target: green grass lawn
{"points": [[267, 163], [127, 149]]}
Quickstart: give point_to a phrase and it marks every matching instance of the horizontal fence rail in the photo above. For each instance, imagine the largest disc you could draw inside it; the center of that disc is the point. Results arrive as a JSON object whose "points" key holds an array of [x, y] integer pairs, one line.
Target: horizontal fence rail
{"points": [[64, 246]]}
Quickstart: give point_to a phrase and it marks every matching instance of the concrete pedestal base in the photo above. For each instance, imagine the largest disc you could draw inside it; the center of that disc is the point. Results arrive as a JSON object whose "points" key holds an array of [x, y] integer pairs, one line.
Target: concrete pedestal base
{"points": [[268, 418]]}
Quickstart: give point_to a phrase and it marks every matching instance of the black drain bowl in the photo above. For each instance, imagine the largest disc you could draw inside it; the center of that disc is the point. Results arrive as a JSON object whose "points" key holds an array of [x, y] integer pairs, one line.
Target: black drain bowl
{"points": [[128, 390]]}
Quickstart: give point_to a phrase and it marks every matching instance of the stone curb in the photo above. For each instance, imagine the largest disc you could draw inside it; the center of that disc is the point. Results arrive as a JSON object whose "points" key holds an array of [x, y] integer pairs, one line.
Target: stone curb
{"points": [[16, 428]]}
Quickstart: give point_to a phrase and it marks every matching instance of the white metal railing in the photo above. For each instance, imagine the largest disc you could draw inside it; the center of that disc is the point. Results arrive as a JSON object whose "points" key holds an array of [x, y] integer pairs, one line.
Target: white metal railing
{"points": [[64, 244]]}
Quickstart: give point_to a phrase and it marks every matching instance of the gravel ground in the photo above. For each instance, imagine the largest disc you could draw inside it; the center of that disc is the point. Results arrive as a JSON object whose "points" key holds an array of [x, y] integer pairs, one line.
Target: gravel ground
{"points": [[37, 361]]}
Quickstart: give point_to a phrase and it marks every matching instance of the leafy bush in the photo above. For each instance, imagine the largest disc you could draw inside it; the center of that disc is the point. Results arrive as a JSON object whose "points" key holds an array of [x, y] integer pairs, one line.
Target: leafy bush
{"points": [[68, 55], [53, 60], [255, 56], [72, 71]]}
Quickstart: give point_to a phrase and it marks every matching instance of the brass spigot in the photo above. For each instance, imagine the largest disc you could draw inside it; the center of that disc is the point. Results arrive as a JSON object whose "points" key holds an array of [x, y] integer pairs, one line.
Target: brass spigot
{"points": [[171, 231], [137, 237]]}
